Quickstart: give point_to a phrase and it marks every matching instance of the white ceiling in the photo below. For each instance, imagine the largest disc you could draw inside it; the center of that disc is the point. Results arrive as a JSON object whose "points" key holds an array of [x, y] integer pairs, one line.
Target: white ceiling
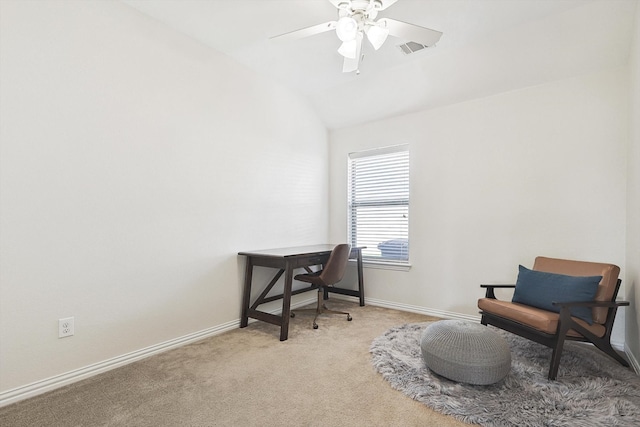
{"points": [[488, 47]]}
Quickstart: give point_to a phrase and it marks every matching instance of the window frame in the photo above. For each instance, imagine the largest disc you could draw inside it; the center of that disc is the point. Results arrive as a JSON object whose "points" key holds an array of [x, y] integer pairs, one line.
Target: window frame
{"points": [[379, 261]]}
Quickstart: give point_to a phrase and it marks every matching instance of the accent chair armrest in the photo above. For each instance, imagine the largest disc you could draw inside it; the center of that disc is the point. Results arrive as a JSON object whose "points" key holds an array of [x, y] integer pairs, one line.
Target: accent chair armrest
{"points": [[591, 303], [567, 322], [490, 288]]}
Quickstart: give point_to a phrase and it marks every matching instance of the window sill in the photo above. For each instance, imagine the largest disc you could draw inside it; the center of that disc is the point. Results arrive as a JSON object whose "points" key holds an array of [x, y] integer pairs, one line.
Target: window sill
{"points": [[386, 265]]}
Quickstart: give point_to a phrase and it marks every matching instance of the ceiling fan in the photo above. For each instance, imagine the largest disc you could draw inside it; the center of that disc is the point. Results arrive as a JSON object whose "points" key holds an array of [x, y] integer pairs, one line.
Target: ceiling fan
{"points": [[356, 19]]}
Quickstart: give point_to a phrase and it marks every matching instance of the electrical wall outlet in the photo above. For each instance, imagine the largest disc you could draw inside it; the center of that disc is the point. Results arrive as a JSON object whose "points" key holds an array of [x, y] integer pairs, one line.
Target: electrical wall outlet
{"points": [[65, 327]]}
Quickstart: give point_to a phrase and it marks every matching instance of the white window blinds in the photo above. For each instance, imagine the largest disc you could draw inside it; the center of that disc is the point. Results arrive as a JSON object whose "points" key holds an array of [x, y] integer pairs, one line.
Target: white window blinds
{"points": [[379, 203]]}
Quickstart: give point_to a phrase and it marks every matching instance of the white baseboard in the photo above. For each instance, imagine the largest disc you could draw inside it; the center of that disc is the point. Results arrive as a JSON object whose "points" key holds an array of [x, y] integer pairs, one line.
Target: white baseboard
{"points": [[55, 382], [422, 310], [52, 383], [635, 364]]}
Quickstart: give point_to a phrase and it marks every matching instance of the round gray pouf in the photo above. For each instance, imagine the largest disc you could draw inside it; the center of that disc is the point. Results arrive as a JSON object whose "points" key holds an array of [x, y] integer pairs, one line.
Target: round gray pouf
{"points": [[465, 352]]}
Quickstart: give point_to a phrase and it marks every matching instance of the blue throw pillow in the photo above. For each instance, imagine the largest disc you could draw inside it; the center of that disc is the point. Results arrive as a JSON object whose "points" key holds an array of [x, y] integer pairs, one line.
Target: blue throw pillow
{"points": [[539, 289]]}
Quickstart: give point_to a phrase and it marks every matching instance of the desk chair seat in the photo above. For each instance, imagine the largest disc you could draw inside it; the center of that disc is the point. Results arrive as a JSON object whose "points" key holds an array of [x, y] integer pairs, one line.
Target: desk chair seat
{"points": [[332, 273]]}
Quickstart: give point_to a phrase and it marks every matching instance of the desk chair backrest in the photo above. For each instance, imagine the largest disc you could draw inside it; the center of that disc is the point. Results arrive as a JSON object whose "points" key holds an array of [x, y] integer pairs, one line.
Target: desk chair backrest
{"points": [[335, 267], [608, 285]]}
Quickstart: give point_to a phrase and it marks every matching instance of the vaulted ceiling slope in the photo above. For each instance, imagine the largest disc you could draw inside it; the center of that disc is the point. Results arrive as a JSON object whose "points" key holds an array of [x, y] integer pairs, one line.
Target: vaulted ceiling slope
{"points": [[487, 47]]}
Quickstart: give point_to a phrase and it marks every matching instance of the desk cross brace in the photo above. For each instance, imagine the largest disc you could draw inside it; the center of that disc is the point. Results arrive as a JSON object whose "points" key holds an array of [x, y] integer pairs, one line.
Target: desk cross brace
{"points": [[262, 299]]}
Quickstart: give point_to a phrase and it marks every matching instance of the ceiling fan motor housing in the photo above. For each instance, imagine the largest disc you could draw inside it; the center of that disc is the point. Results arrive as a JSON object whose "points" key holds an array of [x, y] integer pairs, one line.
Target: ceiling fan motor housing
{"points": [[361, 11], [361, 4], [366, 7]]}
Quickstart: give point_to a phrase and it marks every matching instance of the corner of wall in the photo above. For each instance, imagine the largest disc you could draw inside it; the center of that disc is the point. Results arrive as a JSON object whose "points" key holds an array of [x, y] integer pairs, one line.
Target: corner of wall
{"points": [[632, 270]]}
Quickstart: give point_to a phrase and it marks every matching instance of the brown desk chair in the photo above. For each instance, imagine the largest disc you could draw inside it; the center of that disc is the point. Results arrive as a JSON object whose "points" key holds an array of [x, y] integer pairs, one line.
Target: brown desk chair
{"points": [[553, 328], [331, 273]]}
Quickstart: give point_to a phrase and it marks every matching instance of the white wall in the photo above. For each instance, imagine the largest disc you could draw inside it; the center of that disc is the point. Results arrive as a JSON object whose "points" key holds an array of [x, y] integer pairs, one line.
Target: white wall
{"points": [[135, 164], [497, 181], [633, 203]]}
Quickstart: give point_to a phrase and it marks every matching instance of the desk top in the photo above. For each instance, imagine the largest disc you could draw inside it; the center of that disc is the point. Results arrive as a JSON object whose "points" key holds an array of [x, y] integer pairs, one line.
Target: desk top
{"points": [[291, 252]]}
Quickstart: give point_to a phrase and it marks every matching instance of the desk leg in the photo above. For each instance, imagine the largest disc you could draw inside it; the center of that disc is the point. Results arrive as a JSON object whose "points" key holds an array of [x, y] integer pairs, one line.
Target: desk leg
{"points": [[286, 302], [360, 278], [246, 296]]}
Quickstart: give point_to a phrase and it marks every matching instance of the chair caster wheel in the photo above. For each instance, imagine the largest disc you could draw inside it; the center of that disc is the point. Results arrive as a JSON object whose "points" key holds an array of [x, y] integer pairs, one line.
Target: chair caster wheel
{"points": [[349, 318], [315, 326], [292, 314]]}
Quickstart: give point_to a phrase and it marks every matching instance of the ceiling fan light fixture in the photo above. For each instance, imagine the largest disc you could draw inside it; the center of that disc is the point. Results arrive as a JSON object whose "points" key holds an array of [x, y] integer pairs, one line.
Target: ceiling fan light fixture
{"points": [[348, 49], [347, 28], [377, 36]]}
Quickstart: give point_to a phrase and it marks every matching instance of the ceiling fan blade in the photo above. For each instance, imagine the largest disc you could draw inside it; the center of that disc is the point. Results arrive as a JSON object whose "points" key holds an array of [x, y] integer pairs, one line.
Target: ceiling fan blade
{"points": [[411, 32], [306, 32], [352, 64]]}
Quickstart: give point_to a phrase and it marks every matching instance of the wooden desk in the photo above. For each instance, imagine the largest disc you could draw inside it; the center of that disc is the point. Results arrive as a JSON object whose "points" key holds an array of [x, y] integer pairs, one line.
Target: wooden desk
{"points": [[286, 260]]}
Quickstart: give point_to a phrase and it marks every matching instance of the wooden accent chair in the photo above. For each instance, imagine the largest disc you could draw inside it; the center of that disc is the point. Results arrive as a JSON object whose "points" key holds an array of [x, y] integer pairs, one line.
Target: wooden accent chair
{"points": [[552, 328], [332, 272]]}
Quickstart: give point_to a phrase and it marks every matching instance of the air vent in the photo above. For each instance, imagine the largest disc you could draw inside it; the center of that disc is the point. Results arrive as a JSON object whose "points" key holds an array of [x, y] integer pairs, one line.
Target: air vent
{"points": [[411, 47]]}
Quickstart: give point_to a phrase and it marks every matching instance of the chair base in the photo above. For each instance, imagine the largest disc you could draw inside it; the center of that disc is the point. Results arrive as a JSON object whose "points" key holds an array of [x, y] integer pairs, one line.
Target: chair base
{"points": [[555, 342], [321, 308]]}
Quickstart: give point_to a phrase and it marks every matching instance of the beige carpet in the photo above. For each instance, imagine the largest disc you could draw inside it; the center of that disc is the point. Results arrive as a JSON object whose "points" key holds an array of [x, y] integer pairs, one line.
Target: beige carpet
{"points": [[246, 377]]}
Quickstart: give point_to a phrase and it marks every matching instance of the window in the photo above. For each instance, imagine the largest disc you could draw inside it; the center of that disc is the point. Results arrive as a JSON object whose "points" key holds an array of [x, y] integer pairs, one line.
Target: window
{"points": [[379, 203]]}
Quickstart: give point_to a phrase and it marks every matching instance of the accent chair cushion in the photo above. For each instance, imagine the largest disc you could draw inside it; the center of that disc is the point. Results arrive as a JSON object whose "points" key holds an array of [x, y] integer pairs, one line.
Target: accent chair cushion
{"points": [[539, 289], [608, 284], [537, 318]]}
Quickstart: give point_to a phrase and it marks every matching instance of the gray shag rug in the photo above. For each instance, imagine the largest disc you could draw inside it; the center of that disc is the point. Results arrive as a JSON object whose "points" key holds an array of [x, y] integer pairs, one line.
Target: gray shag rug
{"points": [[591, 389]]}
